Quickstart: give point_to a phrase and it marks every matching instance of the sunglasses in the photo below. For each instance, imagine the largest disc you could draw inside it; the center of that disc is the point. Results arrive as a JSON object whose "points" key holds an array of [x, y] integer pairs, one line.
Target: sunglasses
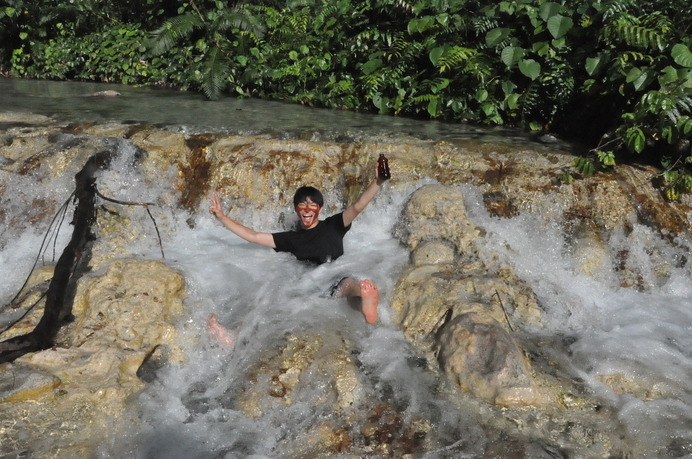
{"points": [[308, 206]]}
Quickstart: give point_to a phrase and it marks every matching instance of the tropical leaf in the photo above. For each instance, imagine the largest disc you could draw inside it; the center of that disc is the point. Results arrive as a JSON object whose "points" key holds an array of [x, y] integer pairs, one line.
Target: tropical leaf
{"points": [[548, 10], [530, 68], [496, 36], [559, 25], [511, 55], [453, 56], [681, 55], [636, 36], [593, 63]]}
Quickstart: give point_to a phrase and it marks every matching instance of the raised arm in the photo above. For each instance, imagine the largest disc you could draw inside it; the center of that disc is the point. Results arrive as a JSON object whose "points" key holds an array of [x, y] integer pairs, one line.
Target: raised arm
{"points": [[250, 235], [362, 202]]}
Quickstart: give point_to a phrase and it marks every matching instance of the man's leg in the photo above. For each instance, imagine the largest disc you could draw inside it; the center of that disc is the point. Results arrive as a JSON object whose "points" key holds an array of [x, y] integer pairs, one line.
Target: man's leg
{"points": [[367, 291], [220, 333]]}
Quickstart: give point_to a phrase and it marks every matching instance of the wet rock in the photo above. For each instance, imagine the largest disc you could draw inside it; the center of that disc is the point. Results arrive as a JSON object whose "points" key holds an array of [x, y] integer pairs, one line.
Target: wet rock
{"points": [[106, 93], [469, 315], [280, 374], [482, 358], [436, 211], [80, 387], [25, 119], [433, 252], [19, 383], [588, 246]]}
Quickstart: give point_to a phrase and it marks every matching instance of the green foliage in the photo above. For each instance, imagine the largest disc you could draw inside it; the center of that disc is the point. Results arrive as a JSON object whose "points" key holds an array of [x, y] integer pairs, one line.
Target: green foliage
{"points": [[114, 55], [216, 32]]}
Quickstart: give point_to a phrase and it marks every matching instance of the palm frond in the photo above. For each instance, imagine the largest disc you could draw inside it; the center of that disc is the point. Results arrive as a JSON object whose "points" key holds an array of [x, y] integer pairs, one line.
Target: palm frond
{"points": [[173, 30], [215, 72], [241, 20]]}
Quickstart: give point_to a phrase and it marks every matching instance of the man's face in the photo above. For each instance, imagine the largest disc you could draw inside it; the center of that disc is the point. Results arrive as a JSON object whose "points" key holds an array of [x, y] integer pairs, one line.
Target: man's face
{"points": [[308, 213]]}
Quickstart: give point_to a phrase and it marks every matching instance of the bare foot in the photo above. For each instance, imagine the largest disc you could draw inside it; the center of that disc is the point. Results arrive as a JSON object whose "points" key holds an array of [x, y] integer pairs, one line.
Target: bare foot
{"points": [[371, 298], [220, 333]]}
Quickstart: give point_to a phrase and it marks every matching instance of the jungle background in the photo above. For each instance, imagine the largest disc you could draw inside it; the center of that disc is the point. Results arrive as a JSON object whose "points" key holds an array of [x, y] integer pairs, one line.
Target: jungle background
{"points": [[615, 75]]}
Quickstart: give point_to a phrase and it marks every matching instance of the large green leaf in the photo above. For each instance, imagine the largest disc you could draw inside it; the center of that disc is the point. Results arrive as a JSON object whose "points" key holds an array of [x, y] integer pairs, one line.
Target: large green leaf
{"points": [[638, 77], [633, 74], [667, 75], [508, 87], [495, 36], [682, 55], [513, 101], [559, 25], [530, 68], [434, 107], [436, 54], [592, 64], [371, 66], [511, 55], [548, 10]]}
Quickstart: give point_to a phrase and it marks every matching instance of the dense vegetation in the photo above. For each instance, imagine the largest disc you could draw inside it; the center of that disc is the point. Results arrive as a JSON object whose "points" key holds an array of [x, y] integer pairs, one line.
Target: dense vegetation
{"points": [[616, 74]]}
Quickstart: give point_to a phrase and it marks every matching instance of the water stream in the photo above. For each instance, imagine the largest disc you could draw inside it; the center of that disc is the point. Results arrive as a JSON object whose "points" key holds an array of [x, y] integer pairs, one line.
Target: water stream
{"points": [[645, 333]]}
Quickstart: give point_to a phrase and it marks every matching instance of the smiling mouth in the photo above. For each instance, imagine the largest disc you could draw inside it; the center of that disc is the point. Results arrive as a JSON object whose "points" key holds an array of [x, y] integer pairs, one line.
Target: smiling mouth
{"points": [[307, 219]]}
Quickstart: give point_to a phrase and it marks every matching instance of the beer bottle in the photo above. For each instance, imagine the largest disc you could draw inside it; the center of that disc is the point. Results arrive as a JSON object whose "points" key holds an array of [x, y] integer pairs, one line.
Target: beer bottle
{"points": [[383, 168]]}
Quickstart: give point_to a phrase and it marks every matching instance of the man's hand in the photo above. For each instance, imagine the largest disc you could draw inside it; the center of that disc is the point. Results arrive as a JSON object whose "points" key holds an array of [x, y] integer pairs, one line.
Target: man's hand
{"points": [[215, 209]]}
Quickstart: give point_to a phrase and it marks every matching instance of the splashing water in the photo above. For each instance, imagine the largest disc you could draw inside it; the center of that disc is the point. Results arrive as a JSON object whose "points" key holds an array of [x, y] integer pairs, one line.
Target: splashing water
{"points": [[644, 334]]}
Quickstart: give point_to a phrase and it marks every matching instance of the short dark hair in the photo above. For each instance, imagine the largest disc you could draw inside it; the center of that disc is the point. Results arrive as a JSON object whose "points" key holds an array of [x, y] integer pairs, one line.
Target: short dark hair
{"points": [[305, 192]]}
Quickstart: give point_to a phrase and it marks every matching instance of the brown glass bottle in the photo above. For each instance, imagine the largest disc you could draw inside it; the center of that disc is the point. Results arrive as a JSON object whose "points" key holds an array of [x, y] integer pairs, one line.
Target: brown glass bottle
{"points": [[383, 168]]}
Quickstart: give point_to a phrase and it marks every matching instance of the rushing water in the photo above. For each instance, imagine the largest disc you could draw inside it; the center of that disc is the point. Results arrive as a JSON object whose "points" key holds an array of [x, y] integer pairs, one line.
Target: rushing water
{"points": [[643, 334]]}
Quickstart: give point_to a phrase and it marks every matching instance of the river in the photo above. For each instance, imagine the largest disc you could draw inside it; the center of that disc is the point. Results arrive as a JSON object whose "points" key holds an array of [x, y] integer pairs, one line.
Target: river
{"points": [[646, 333]]}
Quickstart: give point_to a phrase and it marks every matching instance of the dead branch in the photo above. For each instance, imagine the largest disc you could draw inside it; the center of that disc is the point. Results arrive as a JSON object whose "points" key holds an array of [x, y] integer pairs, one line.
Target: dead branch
{"points": [[58, 307]]}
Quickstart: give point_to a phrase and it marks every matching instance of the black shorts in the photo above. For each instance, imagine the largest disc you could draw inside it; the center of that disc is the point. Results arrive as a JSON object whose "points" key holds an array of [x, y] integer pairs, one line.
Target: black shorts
{"points": [[334, 288]]}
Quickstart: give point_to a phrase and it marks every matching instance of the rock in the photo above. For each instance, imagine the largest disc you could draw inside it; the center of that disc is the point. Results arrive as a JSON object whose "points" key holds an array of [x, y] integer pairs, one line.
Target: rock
{"points": [[280, 373], [433, 252], [482, 358], [436, 211], [20, 383], [81, 386], [106, 93], [468, 317]]}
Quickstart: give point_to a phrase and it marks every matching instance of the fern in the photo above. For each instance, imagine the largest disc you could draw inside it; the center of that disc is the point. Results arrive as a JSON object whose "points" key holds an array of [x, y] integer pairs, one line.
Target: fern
{"points": [[407, 6], [635, 36], [403, 50], [482, 25], [215, 72], [453, 58], [632, 57], [617, 8], [239, 19]]}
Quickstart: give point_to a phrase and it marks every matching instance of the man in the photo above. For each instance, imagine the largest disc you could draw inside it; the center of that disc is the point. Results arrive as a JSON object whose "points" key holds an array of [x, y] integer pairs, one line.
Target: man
{"points": [[316, 241]]}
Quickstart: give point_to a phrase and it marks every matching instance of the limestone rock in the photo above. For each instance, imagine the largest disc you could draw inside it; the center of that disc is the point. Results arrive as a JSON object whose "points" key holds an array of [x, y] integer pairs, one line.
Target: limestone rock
{"points": [[281, 374], [80, 387], [482, 358], [436, 211], [433, 252]]}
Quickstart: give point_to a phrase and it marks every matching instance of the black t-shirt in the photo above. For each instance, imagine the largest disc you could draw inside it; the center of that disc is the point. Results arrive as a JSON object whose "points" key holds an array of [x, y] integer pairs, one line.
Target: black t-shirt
{"points": [[320, 244]]}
